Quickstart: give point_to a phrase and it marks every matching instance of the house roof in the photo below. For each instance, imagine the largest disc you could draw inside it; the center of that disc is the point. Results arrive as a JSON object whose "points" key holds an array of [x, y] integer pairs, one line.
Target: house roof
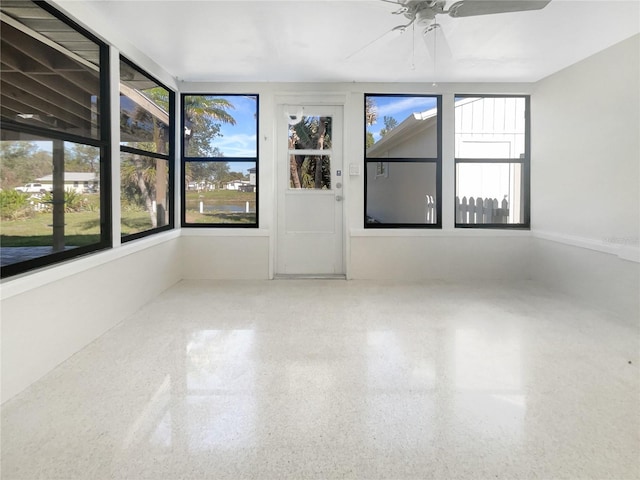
{"points": [[409, 126], [72, 177]]}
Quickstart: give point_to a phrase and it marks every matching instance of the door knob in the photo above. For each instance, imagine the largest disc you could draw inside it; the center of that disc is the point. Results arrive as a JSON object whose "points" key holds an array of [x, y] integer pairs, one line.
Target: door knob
{"points": [[338, 198]]}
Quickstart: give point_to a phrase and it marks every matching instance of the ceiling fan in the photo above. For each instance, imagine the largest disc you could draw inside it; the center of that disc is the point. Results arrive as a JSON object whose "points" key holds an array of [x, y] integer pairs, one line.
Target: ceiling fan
{"points": [[422, 13]]}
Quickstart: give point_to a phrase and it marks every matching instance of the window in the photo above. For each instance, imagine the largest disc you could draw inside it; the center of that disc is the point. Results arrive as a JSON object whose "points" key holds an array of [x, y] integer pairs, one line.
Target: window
{"points": [[146, 150], [403, 155], [220, 160], [54, 139], [492, 161]]}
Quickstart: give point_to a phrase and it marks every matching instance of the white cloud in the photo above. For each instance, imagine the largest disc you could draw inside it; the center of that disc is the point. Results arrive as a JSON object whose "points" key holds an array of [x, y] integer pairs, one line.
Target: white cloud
{"points": [[238, 145], [402, 104]]}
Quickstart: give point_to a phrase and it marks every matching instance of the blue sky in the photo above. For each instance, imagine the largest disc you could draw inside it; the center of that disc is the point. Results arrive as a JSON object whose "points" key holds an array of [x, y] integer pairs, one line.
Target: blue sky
{"points": [[239, 140], [398, 107]]}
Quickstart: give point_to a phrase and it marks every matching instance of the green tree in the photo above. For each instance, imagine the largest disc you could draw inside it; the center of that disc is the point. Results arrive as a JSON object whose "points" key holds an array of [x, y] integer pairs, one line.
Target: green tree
{"points": [[82, 158], [208, 173], [22, 162], [371, 116], [142, 182], [203, 117], [139, 182], [389, 124], [144, 178], [312, 133]]}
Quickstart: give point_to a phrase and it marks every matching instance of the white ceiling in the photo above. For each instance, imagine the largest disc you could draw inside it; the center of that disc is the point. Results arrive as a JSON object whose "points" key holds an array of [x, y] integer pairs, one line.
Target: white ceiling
{"points": [[323, 40]]}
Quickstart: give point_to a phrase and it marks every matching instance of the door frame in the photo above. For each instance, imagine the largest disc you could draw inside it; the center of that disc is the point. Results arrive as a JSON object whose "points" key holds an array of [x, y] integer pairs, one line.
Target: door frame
{"points": [[309, 101]]}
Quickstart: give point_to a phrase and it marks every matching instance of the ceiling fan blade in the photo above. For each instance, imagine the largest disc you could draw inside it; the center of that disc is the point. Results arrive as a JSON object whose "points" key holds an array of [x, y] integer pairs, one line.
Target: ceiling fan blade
{"points": [[389, 34], [436, 42], [471, 8]]}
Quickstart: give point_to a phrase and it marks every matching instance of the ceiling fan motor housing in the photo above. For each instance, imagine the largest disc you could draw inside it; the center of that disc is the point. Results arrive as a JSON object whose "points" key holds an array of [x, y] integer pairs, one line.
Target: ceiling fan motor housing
{"points": [[423, 11]]}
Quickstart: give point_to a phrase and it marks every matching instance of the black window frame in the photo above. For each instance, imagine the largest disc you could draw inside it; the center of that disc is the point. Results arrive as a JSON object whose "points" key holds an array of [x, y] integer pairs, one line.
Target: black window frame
{"points": [[168, 157], [184, 159], [526, 168], [371, 163], [103, 143]]}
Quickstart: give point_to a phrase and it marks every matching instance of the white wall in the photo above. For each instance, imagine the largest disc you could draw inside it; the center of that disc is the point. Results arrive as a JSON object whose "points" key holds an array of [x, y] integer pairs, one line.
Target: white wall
{"points": [[224, 255], [201, 254], [411, 256], [49, 315], [586, 178]]}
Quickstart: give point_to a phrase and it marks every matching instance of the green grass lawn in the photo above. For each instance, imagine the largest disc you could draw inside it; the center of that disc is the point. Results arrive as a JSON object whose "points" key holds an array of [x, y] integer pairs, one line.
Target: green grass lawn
{"points": [[134, 222], [222, 196], [220, 206], [81, 228], [196, 217]]}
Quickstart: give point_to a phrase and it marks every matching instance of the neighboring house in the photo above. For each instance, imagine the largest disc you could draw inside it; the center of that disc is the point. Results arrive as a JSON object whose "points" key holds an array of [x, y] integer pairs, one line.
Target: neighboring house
{"points": [[240, 185], [80, 182], [484, 128], [492, 129], [397, 192], [201, 186]]}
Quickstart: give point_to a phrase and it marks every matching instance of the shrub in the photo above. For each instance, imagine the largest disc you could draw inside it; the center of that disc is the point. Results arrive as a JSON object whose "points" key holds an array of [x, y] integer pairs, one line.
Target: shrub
{"points": [[14, 205], [73, 201]]}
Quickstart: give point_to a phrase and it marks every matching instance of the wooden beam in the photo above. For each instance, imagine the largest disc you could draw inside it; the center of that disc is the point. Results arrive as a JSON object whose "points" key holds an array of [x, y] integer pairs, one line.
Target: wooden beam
{"points": [[53, 82], [25, 86], [144, 102], [47, 41], [42, 107], [42, 53]]}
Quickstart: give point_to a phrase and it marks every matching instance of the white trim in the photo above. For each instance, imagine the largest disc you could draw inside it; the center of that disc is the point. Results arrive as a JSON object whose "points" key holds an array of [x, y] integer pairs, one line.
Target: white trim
{"points": [[116, 188], [225, 232], [34, 279], [629, 252], [311, 99], [418, 232], [309, 153]]}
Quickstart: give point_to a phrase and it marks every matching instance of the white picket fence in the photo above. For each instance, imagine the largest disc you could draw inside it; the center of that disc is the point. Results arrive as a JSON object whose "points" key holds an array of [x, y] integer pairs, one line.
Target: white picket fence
{"points": [[481, 210], [430, 215]]}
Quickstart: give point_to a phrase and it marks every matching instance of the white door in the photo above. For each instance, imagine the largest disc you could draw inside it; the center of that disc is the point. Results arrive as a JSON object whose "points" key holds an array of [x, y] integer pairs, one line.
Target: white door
{"points": [[310, 179]]}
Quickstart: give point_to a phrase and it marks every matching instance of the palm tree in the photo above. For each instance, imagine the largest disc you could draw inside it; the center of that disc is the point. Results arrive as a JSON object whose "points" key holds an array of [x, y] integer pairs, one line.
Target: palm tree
{"points": [[140, 177], [145, 178], [371, 116], [312, 133], [202, 117]]}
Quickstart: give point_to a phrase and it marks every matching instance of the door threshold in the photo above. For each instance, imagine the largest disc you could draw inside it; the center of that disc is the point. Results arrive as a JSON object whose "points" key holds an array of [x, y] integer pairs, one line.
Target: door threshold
{"points": [[308, 276]]}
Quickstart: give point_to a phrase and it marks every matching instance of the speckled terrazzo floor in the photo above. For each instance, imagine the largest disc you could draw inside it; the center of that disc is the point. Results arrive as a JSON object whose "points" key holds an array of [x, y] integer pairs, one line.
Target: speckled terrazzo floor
{"points": [[297, 379]]}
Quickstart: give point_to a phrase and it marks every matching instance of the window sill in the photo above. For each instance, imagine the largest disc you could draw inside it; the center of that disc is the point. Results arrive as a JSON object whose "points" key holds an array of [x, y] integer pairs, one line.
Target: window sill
{"points": [[224, 232], [458, 232], [37, 278]]}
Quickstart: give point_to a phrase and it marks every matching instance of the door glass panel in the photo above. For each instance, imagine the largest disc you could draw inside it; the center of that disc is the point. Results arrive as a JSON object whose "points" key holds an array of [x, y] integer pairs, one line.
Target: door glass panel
{"points": [[310, 133], [310, 172]]}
